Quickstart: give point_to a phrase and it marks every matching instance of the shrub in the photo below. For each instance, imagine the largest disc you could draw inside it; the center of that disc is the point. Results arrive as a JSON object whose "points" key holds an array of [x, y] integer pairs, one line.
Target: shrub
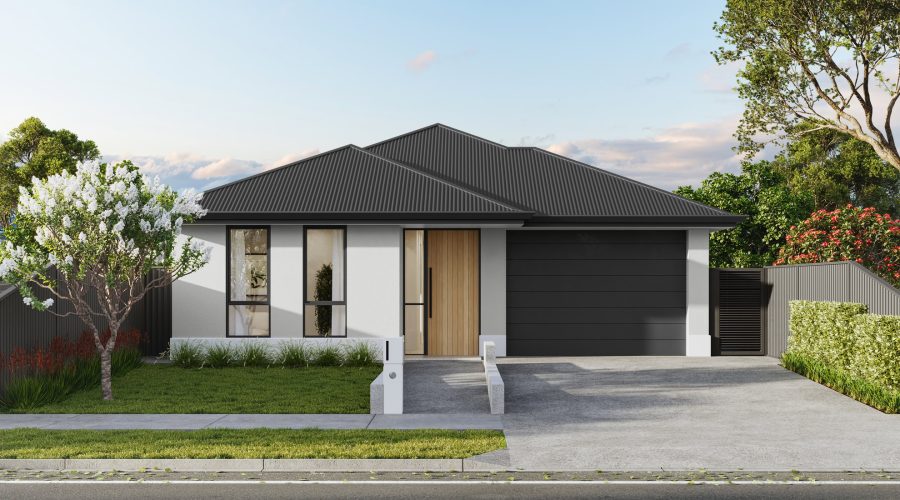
{"points": [[220, 356], [327, 355], [187, 354], [822, 331], [846, 349], [253, 354], [851, 233], [860, 389], [876, 353], [292, 355], [44, 376], [360, 354]]}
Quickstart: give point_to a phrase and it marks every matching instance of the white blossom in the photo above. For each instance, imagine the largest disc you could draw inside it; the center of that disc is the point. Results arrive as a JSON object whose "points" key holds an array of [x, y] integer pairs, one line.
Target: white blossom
{"points": [[27, 301], [6, 267], [66, 221], [48, 303]]}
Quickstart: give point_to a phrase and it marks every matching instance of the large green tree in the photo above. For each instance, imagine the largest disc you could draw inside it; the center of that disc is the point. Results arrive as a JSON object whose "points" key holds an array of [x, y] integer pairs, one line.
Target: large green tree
{"points": [[832, 63], [762, 194], [33, 150], [837, 170]]}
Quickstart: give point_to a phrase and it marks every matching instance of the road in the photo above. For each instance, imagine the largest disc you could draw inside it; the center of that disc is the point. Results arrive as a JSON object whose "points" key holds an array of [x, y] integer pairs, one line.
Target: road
{"points": [[99, 490]]}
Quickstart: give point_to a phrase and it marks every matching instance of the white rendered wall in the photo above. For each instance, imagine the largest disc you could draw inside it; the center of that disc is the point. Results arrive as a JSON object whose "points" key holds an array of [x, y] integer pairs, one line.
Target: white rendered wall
{"points": [[198, 299], [697, 320], [286, 282], [374, 288], [493, 289]]}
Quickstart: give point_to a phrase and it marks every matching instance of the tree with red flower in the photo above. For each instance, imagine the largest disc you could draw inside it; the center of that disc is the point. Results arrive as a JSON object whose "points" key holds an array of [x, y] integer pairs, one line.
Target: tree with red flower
{"points": [[851, 233]]}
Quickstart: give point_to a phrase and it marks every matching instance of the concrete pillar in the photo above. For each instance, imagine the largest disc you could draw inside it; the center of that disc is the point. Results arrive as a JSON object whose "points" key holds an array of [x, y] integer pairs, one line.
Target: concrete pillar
{"points": [[698, 341], [392, 376]]}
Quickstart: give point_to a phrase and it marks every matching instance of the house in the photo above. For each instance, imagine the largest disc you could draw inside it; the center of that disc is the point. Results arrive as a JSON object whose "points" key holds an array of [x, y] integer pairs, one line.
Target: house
{"points": [[447, 240]]}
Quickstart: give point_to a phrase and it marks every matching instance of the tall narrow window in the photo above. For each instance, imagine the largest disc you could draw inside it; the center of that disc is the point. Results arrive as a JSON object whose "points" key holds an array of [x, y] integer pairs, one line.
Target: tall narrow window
{"points": [[414, 291], [248, 282], [325, 302]]}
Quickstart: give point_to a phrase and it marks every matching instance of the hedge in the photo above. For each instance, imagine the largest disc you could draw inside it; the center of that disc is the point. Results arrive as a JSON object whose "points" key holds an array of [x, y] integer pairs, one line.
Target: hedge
{"points": [[844, 337]]}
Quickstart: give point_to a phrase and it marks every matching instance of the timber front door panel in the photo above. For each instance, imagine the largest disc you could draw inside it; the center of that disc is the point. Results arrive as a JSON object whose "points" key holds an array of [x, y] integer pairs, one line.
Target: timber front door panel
{"points": [[453, 292]]}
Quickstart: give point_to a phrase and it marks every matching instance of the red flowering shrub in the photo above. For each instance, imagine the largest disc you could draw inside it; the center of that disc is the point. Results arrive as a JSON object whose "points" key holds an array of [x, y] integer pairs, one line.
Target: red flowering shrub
{"points": [[62, 352], [850, 233]]}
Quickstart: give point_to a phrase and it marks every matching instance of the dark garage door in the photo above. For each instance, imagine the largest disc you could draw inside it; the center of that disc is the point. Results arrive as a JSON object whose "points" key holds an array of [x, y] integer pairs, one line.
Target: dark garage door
{"points": [[595, 293]]}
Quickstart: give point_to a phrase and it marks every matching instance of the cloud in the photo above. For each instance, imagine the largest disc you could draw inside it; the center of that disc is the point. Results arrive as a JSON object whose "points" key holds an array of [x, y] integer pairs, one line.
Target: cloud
{"points": [[226, 167], [422, 61], [188, 170], [683, 154], [678, 52], [655, 79], [291, 158]]}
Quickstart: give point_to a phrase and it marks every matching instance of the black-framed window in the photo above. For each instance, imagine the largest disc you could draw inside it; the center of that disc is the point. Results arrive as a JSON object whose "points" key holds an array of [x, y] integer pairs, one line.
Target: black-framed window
{"points": [[247, 275], [325, 281]]}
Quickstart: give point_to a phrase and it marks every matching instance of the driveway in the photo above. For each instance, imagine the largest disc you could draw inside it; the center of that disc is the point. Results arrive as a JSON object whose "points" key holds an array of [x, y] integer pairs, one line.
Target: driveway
{"points": [[722, 413], [447, 386]]}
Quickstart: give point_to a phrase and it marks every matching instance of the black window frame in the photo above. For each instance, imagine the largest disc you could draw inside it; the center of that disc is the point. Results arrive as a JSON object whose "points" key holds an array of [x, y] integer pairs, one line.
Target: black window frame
{"points": [[228, 301], [306, 229]]}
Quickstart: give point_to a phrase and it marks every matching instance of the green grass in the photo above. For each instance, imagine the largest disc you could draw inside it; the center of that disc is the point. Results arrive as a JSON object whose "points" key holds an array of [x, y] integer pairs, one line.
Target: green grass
{"points": [[875, 395], [248, 443], [171, 389]]}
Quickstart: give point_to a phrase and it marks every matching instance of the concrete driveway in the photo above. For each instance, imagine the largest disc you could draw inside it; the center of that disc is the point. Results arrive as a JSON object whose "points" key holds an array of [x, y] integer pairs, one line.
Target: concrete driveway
{"points": [[723, 413]]}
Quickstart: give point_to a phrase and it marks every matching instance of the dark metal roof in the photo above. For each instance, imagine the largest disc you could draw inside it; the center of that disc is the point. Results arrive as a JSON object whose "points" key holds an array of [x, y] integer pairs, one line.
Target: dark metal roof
{"points": [[439, 172], [350, 183], [556, 188]]}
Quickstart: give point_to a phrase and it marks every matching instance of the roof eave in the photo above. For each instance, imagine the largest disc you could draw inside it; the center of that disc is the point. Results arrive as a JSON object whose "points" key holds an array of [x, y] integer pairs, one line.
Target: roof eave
{"points": [[341, 216], [717, 222]]}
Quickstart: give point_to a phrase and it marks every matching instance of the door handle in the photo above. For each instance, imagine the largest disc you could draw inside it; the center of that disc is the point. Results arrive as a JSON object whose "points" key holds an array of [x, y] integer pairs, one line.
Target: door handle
{"points": [[430, 301]]}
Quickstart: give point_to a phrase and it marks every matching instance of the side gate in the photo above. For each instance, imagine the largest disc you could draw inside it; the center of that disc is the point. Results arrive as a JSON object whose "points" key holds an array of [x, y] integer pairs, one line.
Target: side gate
{"points": [[737, 312]]}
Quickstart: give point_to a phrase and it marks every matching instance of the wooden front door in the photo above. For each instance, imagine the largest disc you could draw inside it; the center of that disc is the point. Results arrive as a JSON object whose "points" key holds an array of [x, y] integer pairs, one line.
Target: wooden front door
{"points": [[453, 301]]}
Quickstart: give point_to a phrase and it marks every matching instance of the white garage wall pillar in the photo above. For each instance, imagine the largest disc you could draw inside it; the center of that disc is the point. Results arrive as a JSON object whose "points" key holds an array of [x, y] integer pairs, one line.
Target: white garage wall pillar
{"points": [[493, 290], [697, 320]]}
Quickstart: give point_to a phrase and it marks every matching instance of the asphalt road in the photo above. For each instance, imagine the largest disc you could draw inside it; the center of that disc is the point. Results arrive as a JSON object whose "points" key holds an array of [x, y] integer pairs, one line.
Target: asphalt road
{"points": [[101, 491]]}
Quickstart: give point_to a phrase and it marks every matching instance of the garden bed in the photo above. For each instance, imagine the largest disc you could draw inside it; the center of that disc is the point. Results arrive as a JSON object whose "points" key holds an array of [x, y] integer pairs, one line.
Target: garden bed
{"points": [[864, 391], [249, 443], [172, 389]]}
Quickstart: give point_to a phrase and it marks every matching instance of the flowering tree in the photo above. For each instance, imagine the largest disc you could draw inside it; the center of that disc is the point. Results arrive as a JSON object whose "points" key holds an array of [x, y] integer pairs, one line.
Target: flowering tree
{"points": [[103, 228], [850, 233]]}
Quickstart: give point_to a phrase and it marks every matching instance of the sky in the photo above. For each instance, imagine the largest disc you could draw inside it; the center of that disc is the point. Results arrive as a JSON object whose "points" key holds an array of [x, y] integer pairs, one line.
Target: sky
{"points": [[202, 93]]}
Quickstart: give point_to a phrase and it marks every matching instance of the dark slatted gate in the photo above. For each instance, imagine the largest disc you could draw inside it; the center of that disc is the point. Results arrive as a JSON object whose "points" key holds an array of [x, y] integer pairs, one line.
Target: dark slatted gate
{"points": [[737, 311]]}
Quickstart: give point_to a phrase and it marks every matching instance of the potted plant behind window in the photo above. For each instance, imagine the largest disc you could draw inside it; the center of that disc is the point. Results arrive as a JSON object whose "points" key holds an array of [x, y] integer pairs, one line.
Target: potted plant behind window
{"points": [[323, 294]]}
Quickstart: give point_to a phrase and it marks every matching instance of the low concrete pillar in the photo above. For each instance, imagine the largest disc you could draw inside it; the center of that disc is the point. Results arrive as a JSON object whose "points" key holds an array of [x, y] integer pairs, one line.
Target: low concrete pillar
{"points": [[392, 376]]}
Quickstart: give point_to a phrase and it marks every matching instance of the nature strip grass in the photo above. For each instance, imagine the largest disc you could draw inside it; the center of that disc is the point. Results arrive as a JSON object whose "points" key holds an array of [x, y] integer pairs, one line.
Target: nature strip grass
{"points": [[864, 391], [248, 443], [171, 389]]}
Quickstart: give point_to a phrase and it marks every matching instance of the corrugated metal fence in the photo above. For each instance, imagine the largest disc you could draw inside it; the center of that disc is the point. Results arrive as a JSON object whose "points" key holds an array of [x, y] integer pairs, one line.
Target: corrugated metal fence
{"points": [[833, 281], [22, 326]]}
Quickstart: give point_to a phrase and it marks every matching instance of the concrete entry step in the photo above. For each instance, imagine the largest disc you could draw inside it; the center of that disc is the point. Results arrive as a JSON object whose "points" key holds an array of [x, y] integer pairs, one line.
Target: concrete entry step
{"points": [[444, 386]]}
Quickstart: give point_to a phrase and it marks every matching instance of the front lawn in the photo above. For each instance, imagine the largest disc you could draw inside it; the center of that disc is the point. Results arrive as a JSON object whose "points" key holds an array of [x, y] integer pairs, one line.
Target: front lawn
{"points": [[248, 443], [171, 389]]}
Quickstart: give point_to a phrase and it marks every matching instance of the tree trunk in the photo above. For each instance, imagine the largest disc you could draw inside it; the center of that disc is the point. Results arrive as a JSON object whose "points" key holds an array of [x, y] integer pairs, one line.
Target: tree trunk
{"points": [[106, 373]]}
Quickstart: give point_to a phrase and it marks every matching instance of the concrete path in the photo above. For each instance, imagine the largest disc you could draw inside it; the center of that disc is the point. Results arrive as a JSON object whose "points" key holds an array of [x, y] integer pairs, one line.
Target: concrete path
{"points": [[445, 386], [676, 413], [248, 421]]}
